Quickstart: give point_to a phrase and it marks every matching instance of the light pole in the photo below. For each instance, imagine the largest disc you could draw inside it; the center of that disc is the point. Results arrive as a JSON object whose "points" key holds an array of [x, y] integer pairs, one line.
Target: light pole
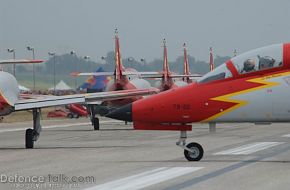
{"points": [[12, 50], [235, 53], [53, 55], [104, 59], [29, 48], [87, 58], [143, 60], [76, 81]]}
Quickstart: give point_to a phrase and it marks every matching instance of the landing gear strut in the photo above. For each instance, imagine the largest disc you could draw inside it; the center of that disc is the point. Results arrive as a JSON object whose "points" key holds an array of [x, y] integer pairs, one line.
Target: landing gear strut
{"points": [[95, 120], [192, 151], [32, 135]]}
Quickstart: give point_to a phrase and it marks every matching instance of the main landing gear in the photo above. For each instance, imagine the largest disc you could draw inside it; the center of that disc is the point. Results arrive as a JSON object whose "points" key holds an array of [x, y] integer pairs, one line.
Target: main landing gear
{"points": [[32, 135], [192, 151], [94, 119]]}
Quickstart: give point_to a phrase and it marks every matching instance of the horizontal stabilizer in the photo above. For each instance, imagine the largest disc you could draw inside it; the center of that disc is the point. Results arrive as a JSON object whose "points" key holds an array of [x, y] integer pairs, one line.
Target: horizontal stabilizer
{"points": [[149, 74], [77, 74]]}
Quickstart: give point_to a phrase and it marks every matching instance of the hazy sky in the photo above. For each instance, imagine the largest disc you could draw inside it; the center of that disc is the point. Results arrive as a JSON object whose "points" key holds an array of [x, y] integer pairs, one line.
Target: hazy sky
{"points": [[87, 26]]}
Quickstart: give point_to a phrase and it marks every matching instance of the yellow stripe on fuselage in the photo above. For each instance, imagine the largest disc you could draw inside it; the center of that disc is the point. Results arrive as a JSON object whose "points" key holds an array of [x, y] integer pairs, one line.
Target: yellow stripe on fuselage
{"points": [[240, 103]]}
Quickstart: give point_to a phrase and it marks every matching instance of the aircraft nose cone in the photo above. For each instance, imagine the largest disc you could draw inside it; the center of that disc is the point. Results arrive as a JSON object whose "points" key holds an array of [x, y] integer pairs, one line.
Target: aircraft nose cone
{"points": [[123, 113]]}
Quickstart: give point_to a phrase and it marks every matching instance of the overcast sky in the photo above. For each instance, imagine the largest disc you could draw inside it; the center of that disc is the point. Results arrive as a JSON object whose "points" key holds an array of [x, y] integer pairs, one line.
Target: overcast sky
{"points": [[87, 26]]}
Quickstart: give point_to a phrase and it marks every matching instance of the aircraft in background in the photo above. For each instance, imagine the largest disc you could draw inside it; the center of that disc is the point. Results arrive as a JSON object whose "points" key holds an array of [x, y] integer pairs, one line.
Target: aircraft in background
{"points": [[11, 100], [122, 79], [128, 79], [168, 78], [251, 87]]}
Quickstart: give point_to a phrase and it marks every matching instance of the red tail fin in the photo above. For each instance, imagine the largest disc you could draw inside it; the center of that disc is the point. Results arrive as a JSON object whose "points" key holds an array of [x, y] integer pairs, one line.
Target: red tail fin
{"points": [[165, 62], [185, 62], [211, 63], [118, 60]]}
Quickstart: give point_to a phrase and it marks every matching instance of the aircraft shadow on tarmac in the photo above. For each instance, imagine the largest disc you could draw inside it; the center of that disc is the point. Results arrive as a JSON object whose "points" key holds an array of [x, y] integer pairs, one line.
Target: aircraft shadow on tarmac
{"points": [[120, 129], [63, 147]]}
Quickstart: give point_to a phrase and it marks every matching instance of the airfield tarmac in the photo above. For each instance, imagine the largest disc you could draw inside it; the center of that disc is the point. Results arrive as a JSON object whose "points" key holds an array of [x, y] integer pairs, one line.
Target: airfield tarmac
{"points": [[237, 156]]}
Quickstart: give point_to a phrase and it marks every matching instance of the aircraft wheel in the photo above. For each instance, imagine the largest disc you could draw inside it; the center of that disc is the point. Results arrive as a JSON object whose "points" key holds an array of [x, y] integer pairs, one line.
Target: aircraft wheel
{"points": [[96, 124], [76, 116], [70, 115], [196, 154], [29, 138]]}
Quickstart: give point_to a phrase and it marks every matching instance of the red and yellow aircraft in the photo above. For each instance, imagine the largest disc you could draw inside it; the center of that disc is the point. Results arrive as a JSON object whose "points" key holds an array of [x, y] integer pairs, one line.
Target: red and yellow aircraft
{"points": [[251, 87]]}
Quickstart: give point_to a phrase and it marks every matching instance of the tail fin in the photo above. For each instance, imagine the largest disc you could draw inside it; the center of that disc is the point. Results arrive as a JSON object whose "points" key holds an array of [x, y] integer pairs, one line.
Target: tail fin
{"points": [[211, 63], [185, 64], [166, 71], [118, 60]]}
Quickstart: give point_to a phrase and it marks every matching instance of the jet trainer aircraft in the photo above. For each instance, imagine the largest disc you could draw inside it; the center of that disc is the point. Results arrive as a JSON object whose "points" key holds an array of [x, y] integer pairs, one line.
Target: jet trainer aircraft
{"points": [[251, 87], [11, 100]]}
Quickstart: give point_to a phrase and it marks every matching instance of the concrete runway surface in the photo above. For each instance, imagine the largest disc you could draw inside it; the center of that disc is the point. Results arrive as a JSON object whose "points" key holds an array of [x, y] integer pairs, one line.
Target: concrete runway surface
{"points": [[70, 155]]}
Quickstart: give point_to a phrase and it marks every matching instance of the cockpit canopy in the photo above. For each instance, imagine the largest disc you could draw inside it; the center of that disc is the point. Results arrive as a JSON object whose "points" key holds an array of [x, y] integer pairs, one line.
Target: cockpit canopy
{"points": [[256, 60]]}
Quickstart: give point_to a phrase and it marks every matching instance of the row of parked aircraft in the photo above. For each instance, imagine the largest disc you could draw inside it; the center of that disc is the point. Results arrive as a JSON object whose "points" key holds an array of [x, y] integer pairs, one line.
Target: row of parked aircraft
{"points": [[130, 79], [251, 87], [127, 86]]}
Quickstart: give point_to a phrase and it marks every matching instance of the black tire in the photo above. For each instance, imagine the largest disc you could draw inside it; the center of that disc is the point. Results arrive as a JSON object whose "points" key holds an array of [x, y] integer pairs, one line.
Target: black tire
{"points": [[76, 116], [196, 155], [70, 115], [96, 123], [29, 138]]}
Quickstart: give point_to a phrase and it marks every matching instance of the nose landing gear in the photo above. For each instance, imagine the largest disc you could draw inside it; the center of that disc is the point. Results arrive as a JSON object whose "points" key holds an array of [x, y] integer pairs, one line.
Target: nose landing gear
{"points": [[192, 151]]}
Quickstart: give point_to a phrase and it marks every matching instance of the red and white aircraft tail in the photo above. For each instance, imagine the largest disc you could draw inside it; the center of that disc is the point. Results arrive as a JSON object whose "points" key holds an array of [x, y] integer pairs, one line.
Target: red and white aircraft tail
{"points": [[186, 70], [211, 62], [166, 72], [119, 68]]}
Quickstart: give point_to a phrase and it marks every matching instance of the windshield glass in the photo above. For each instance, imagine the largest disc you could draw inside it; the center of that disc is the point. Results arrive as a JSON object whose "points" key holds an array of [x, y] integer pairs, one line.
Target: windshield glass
{"points": [[259, 59], [221, 72]]}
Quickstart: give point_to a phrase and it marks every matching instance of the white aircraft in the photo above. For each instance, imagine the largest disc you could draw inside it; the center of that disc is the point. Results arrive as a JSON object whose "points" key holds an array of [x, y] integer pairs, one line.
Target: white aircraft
{"points": [[11, 100]]}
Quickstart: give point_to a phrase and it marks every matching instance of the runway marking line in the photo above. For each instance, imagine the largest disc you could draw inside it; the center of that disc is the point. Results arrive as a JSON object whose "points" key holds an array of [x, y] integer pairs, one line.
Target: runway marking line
{"points": [[146, 179], [288, 135], [56, 126], [249, 148]]}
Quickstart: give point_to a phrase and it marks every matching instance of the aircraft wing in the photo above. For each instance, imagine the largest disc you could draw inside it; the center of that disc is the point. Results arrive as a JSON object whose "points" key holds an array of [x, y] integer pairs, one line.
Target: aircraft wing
{"points": [[89, 98], [19, 61], [121, 94], [76, 74]]}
